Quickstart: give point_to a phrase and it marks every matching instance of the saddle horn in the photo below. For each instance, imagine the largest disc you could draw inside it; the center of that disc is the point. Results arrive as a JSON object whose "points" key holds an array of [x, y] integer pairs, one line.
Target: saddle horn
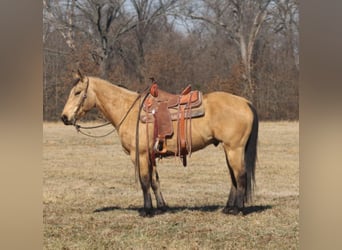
{"points": [[152, 79]]}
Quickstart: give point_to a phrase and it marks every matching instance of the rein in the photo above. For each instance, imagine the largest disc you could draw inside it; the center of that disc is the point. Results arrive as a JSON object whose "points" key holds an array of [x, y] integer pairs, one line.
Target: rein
{"points": [[129, 110], [79, 127], [137, 155]]}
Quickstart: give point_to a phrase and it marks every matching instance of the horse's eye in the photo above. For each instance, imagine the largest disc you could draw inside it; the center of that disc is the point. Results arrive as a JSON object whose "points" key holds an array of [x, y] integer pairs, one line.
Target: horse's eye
{"points": [[77, 93]]}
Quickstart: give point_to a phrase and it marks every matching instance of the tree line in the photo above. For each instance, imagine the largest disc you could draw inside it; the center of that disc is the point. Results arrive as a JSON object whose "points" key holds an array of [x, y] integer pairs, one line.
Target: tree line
{"points": [[246, 47]]}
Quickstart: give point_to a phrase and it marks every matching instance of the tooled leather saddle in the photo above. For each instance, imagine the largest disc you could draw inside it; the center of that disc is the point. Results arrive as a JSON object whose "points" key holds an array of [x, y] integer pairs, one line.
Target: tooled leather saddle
{"points": [[161, 108]]}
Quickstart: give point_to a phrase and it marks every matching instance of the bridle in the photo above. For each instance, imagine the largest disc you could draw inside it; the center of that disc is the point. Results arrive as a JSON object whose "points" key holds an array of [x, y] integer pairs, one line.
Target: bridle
{"points": [[81, 103]]}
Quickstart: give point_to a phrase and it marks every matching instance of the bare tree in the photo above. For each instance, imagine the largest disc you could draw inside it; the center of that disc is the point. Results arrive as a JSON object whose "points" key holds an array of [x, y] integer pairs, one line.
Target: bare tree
{"points": [[59, 15], [147, 12], [102, 22], [241, 21], [106, 23], [275, 58], [285, 22], [245, 47]]}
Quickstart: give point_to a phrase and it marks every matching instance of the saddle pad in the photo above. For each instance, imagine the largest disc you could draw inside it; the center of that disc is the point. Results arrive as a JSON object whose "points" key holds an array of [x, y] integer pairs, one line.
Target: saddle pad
{"points": [[170, 105], [190, 100], [174, 114]]}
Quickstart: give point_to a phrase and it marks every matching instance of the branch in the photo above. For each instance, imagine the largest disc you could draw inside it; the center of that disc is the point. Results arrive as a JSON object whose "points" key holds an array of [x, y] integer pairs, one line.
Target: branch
{"points": [[230, 33]]}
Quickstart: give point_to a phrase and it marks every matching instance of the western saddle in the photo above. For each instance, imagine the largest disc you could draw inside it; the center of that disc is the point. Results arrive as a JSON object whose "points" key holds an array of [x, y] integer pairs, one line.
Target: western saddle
{"points": [[161, 108]]}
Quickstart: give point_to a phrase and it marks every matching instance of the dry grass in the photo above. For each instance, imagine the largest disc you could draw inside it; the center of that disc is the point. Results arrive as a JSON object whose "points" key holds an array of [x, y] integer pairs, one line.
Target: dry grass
{"points": [[91, 199]]}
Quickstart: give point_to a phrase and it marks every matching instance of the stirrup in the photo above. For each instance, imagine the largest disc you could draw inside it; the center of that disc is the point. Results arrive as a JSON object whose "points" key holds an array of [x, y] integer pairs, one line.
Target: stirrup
{"points": [[160, 147]]}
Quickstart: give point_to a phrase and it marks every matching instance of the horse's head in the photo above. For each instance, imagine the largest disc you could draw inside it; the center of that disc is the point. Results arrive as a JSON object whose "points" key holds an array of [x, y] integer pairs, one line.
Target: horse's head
{"points": [[81, 99]]}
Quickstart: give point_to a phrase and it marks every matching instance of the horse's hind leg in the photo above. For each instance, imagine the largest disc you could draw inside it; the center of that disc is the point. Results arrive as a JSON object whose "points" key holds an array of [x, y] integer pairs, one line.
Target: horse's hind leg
{"points": [[161, 205], [235, 162]]}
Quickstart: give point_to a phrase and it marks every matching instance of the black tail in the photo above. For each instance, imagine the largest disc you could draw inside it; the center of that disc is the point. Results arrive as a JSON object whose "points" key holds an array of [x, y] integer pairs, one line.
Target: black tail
{"points": [[251, 155]]}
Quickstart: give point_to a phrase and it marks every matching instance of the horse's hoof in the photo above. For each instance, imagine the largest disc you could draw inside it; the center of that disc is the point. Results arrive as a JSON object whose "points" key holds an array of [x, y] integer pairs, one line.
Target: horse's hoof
{"points": [[161, 210], [232, 210], [146, 213]]}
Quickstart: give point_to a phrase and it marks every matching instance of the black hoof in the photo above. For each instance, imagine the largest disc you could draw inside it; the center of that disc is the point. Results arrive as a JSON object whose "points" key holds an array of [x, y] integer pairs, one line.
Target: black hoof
{"points": [[232, 210], [146, 213], [161, 210]]}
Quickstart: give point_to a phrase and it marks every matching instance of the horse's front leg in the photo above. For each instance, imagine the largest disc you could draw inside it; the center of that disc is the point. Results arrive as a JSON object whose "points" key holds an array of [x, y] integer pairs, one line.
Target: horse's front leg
{"points": [[161, 204], [145, 174]]}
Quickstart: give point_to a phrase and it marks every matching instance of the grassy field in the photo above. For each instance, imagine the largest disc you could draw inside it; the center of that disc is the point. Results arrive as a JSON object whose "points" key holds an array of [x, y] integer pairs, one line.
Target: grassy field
{"points": [[91, 199]]}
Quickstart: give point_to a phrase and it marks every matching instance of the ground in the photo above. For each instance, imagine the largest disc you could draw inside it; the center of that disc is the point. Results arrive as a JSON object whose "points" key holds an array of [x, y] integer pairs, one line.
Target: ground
{"points": [[91, 199]]}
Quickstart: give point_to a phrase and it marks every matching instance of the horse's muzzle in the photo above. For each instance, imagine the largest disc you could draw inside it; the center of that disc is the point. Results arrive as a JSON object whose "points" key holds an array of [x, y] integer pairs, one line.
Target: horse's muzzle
{"points": [[65, 120]]}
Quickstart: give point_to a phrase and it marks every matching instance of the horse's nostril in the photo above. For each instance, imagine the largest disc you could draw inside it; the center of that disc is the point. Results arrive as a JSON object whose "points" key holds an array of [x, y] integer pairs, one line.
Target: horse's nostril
{"points": [[64, 118]]}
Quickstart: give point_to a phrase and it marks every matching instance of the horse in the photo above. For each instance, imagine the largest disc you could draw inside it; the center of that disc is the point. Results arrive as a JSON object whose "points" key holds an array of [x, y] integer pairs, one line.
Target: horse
{"points": [[228, 119]]}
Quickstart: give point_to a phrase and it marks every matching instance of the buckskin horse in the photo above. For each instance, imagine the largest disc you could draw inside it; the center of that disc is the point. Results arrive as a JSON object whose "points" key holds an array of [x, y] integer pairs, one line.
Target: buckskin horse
{"points": [[228, 119]]}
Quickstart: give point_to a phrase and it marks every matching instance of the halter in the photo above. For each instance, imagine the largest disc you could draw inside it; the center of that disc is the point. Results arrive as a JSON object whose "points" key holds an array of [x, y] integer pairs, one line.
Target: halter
{"points": [[80, 104], [79, 127]]}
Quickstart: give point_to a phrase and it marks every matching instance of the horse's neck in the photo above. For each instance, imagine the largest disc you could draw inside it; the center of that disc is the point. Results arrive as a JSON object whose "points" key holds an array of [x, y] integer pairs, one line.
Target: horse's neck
{"points": [[113, 101]]}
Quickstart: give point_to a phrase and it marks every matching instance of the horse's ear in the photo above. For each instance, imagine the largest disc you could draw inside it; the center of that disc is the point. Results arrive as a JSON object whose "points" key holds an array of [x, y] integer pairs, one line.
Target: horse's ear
{"points": [[79, 75]]}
